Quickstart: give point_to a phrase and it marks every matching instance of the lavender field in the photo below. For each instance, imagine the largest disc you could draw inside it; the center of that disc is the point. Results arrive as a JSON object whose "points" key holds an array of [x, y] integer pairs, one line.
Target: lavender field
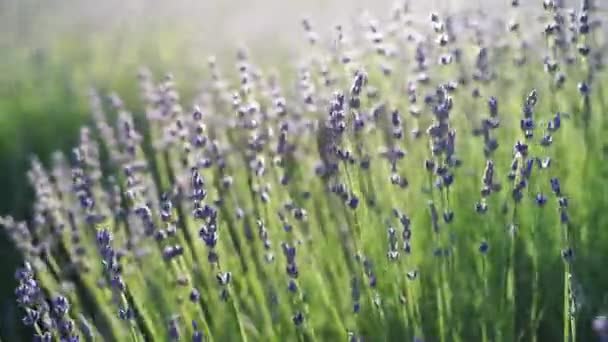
{"points": [[306, 171]]}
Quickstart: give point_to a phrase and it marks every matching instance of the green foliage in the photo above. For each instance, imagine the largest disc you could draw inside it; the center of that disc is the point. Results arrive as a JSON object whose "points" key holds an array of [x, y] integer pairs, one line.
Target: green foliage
{"points": [[355, 279]]}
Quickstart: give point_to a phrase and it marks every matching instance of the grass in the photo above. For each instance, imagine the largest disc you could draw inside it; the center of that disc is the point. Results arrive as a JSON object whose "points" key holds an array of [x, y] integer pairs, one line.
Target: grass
{"points": [[351, 199]]}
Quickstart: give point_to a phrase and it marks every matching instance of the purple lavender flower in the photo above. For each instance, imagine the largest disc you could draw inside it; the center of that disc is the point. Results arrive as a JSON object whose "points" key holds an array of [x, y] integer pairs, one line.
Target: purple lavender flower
{"points": [[568, 254], [484, 247], [555, 186], [584, 88], [600, 326], [197, 335], [298, 318], [44, 337], [448, 216], [60, 305], [540, 199], [292, 286], [555, 123], [195, 296], [174, 333], [481, 207], [493, 106], [353, 202]]}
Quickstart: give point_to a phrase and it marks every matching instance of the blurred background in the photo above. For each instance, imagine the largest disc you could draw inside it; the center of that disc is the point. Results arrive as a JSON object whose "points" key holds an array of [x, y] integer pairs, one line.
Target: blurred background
{"points": [[53, 51]]}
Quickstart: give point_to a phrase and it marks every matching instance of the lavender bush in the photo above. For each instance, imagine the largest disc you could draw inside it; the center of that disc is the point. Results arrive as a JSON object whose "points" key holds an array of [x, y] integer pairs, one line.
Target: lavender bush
{"points": [[435, 179]]}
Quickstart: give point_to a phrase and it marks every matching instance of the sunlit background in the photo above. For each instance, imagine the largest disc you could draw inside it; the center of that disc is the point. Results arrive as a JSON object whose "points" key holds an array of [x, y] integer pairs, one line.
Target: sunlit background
{"points": [[51, 52]]}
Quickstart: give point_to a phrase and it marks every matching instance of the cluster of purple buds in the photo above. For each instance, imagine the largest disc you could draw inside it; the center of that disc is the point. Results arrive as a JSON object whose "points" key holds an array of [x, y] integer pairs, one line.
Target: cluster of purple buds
{"points": [[600, 326], [128, 137], [171, 252], [199, 139], [396, 123], [113, 271], [300, 214], [289, 251], [61, 318], [513, 169], [353, 201], [555, 28], [246, 74], [115, 201], [134, 172], [527, 124], [197, 335], [298, 318], [393, 155], [287, 227], [517, 191], [330, 132], [31, 298], [358, 83], [283, 146], [482, 71], [584, 88], [368, 269], [553, 126], [166, 215], [204, 213], [540, 199], [393, 245], [562, 200], [420, 58], [137, 192], [209, 234], [583, 21], [445, 177], [413, 98], [173, 329], [144, 213], [442, 137], [47, 213], [306, 89], [555, 123], [82, 186], [484, 246], [355, 294], [20, 235], [375, 36], [345, 155], [326, 75], [493, 106], [105, 130], [439, 27], [521, 179], [487, 126], [263, 235], [341, 190], [310, 34], [223, 280], [488, 187], [198, 185], [406, 233], [551, 65], [488, 183]]}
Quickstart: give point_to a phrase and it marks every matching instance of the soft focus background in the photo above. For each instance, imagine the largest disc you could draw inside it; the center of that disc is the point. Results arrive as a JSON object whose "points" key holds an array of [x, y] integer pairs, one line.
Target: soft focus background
{"points": [[52, 51]]}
